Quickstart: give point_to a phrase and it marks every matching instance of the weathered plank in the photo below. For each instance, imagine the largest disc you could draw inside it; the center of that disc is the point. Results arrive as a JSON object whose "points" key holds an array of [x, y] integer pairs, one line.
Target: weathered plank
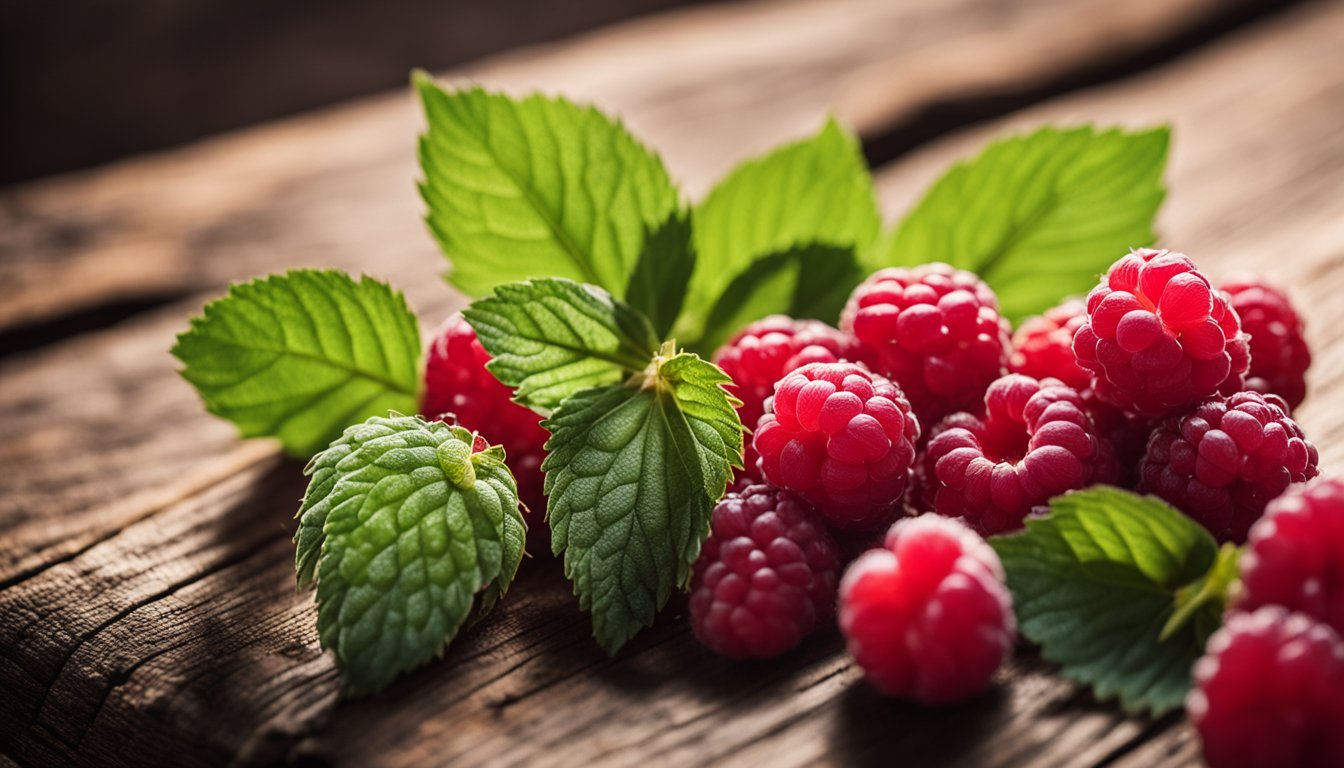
{"points": [[171, 632], [707, 86]]}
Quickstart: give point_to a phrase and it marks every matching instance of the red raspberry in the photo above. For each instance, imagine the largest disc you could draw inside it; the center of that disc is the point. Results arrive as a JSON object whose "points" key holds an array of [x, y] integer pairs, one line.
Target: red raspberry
{"points": [[935, 331], [1158, 337], [1043, 345], [766, 576], [844, 439], [1224, 461], [1279, 354], [1269, 692], [927, 616], [760, 354], [1295, 557], [1034, 442], [457, 383]]}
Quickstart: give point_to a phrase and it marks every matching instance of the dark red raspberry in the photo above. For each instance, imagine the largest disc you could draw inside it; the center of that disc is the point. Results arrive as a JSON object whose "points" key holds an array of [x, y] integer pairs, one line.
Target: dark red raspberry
{"points": [[1043, 345], [1035, 441], [1269, 693], [766, 576], [1295, 557], [760, 354], [1158, 338], [457, 383], [1279, 354], [935, 331], [844, 439], [1225, 460], [927, 616]]}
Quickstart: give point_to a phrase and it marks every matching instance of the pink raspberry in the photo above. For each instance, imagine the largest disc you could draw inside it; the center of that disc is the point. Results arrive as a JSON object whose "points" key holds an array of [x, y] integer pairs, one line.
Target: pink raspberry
{"points": [[761, 353], [457, 383], [1043, 345], [1222, 462], [1279, 354], [927, 616], [1269, 693], [935, 331], [1295, 557], [1158, 337], [766, 576], [1035, 441], [844, 439]]}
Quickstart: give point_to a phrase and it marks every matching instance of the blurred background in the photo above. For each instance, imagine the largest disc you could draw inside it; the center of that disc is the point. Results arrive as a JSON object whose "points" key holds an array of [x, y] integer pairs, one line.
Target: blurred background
{"points": [[94, 80]]}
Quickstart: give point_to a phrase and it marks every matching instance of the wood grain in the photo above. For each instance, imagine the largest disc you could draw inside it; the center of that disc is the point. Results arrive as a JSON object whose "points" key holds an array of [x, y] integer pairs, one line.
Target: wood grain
{"points": [[147, 613]]}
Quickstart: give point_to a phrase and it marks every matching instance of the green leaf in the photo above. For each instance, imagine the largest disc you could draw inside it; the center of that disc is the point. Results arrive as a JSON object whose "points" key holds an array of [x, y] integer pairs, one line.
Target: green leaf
{"points": [[299, 356], [658, 285], [631, 477], [537, 187], [1096, 581], [1040, 216], [550, 338], [416, 526], [807, 281], [816, 191]]}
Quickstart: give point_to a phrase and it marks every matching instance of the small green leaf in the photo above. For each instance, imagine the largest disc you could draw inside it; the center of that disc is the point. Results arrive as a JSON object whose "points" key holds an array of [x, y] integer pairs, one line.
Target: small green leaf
{"points": [[408, 543], [300, 355], [658, 285], [631, 477], [807, 281], [816, 191], [537, 187], [551, 338], [1040, 216], [1095, 582]]}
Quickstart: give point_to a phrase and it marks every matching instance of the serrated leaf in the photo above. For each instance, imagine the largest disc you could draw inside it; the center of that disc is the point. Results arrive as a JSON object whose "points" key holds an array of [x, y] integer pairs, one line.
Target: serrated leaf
{"points": [[631, 477], [1039, 216], [416, 527], [807, 281], [658, 284], [550, 338], [814, 191], [299, 356], [535, 187], [1095, 582]]}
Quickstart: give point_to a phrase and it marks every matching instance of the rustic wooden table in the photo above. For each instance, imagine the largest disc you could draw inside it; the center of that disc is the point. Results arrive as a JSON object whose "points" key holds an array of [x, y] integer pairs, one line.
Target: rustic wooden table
{"points": [[147, 605]]}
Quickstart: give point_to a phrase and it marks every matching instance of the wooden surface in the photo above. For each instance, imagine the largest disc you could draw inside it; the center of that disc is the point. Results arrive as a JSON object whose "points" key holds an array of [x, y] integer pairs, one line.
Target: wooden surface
{"points": [[147, 608]]}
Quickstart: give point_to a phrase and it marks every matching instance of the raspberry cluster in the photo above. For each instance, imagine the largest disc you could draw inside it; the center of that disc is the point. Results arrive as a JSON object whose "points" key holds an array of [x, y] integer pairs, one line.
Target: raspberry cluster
{"points": [[1279, 354]]}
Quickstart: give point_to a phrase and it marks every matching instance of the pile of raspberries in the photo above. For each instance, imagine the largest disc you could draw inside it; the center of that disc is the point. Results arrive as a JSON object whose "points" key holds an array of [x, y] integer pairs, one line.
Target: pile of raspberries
{"points": [[924, 423]]}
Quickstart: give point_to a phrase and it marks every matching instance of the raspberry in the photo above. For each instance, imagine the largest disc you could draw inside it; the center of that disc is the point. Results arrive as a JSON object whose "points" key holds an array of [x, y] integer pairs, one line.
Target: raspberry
{"points": [[760, 354], [844, 439], [457, 383], [766, 576], [1279, 354], [1043, 345], [1035, 441], [1269, 692], [1226, 459], [935, 331], [927, 616], [1158, 338], [1295, 557]]}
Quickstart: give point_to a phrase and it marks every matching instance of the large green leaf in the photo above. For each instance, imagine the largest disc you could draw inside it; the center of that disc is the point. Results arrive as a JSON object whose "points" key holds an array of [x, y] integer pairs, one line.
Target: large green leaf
{"points": [[658, 285], [301, 355], [537, 187], [1040, 216]]}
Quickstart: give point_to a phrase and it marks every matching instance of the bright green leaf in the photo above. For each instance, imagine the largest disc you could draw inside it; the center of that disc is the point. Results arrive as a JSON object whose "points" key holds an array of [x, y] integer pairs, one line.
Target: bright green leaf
{"points": [[1040, 216], [814, 191], [658, 285], [416, 526], [299, 356], [632, 475], [1095, 582], [551, 338], [537, 187]]}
